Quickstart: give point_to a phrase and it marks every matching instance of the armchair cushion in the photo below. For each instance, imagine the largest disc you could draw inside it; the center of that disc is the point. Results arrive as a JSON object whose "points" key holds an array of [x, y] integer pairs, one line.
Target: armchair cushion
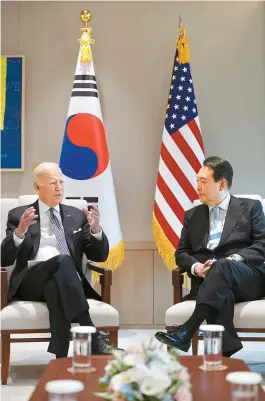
{"points": [[249, 315], [26, 315]]}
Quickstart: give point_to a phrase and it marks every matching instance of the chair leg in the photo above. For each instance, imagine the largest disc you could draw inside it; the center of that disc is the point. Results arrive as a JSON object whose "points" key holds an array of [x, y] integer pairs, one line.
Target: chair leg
{"points": [[5, 338], [194, 344], [113, 337]]}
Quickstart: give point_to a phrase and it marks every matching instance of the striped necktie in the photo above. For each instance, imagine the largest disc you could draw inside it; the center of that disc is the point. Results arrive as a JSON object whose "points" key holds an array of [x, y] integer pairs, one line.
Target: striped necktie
{"points": [[58, 231], [216, 228]]}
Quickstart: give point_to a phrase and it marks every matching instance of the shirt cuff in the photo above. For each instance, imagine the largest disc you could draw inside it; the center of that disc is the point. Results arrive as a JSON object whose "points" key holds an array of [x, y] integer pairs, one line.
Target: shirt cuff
{"points": [[97, 235], [193, 268], [238, 258], [17, 240]]}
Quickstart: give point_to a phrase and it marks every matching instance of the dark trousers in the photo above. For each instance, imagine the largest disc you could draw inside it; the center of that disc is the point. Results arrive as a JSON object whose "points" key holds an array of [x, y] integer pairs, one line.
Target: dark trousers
{"points": [[56, 282], [226, 283]]}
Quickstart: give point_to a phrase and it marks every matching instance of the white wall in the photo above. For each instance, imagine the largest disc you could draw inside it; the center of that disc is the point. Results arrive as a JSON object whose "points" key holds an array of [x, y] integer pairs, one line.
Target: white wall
{"points": [[133, 55]]}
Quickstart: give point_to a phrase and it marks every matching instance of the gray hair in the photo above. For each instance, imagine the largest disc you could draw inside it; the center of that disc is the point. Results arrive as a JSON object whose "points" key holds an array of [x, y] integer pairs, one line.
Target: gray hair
{"points": [[43, 168]]}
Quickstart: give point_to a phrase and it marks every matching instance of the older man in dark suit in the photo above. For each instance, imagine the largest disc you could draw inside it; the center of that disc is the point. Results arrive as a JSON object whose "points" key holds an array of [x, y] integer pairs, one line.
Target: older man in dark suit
{"points": [[222, 248], [47, 241]]}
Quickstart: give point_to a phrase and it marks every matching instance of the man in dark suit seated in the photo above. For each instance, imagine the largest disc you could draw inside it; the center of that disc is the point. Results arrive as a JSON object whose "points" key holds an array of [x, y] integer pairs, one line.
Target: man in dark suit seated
{"points": [[47, 240], [222, 248]]}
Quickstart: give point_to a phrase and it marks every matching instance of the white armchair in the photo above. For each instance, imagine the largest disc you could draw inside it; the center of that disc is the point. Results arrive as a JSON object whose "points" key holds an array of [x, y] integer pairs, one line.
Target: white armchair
{"points": [[249, 317], [24, 317]]}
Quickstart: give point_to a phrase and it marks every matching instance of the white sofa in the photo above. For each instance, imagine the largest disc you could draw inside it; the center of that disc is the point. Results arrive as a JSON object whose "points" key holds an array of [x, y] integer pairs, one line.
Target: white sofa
{"points": [[248, 316], [23, 317]]}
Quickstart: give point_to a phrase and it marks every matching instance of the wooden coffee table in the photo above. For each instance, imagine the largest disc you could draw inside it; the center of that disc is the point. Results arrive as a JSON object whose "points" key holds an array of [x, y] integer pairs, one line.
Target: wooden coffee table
{"points": [[206, 386]]}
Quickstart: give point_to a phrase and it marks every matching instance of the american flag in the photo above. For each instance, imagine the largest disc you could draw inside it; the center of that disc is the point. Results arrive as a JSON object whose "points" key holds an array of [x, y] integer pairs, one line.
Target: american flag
{"points": [[181, 157]]}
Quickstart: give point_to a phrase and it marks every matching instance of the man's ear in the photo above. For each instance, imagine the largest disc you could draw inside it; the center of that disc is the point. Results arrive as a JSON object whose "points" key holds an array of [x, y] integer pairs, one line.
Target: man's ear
{"points": [[223, 184]]}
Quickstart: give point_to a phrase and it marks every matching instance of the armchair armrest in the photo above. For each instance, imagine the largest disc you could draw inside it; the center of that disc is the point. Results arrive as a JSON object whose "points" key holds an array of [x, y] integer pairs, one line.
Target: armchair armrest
{"points": [[105, 281], [177, 281], [4, 288]]}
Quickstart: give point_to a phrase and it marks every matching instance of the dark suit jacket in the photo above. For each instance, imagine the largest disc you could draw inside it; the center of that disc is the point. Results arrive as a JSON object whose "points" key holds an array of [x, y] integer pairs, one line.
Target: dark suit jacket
{"points": [[243, 234], [78, 244]]}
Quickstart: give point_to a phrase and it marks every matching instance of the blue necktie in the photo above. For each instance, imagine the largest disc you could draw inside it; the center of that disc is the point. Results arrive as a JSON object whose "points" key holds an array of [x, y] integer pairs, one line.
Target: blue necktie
{"points": [[58, 231], [216, 228]]}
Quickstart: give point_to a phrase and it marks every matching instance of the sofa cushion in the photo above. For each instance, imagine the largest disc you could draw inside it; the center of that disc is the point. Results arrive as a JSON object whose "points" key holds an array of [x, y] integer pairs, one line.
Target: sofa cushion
{"points": [[26, 315], [249, 315]]}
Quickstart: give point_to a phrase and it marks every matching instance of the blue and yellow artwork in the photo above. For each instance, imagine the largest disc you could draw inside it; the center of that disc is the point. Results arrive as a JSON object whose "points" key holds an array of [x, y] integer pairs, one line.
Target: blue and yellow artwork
{"points": [[12, 113]]}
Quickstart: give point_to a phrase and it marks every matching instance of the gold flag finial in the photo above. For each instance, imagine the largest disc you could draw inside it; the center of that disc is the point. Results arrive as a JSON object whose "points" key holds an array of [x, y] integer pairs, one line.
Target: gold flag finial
{"points": [[182, 45], [85, 40], [85, 16]]}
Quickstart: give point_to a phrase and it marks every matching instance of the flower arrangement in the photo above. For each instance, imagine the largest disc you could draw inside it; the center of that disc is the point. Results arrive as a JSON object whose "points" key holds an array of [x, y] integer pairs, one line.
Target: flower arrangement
{"points": [[145, 374]]}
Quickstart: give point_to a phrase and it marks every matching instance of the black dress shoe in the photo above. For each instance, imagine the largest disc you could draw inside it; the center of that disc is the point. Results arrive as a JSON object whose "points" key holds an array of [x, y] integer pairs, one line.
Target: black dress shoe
{"points": [[179, 338], [103, 346]]}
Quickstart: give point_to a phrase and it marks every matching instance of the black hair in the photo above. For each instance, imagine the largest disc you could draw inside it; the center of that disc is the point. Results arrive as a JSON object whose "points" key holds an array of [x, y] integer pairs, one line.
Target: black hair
{"points": [[221, 169]]}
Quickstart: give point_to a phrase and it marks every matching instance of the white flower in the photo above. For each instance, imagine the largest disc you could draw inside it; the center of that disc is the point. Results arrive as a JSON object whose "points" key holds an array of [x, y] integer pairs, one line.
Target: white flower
{"points": [[158, 374], [154, 385], [118, 380], [134, 374], [134, 359], [157, 367]]}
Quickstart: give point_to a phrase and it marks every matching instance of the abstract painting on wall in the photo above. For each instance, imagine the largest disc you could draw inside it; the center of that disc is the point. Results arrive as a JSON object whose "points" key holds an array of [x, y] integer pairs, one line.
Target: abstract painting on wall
{"points": [[12, 113]]}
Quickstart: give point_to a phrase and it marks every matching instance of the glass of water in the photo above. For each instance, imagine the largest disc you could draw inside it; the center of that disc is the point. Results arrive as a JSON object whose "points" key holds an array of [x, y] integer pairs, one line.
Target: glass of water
{"points": [[212, 337], [64, 390], [82, 343], [244, 385]]}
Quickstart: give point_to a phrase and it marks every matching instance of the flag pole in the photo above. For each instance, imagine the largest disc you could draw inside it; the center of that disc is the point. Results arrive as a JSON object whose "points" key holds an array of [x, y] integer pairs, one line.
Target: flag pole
{"points": [[180, 22]]}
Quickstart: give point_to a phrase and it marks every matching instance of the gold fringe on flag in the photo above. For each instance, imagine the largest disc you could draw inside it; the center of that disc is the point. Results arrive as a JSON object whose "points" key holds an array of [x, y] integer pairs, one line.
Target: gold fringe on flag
{"points": [[183, 47], [85, 40], [3, 92], [166, 250], [115, 259]]}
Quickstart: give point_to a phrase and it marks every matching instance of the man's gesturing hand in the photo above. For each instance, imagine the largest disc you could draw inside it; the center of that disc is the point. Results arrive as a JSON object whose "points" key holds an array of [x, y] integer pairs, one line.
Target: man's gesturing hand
{"points": [[27, 219], [93, 217]]}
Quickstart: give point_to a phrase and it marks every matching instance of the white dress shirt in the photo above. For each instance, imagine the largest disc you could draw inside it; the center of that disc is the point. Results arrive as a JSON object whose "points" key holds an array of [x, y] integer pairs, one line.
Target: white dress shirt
{"points": [[223, 212], [48, 244]]}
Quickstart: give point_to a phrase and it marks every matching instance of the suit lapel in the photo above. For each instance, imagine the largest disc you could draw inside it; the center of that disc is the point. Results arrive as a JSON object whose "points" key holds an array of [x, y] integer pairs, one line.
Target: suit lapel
{"points": [[200, 226], [234, 212], [68, 229], [35, 230]]}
